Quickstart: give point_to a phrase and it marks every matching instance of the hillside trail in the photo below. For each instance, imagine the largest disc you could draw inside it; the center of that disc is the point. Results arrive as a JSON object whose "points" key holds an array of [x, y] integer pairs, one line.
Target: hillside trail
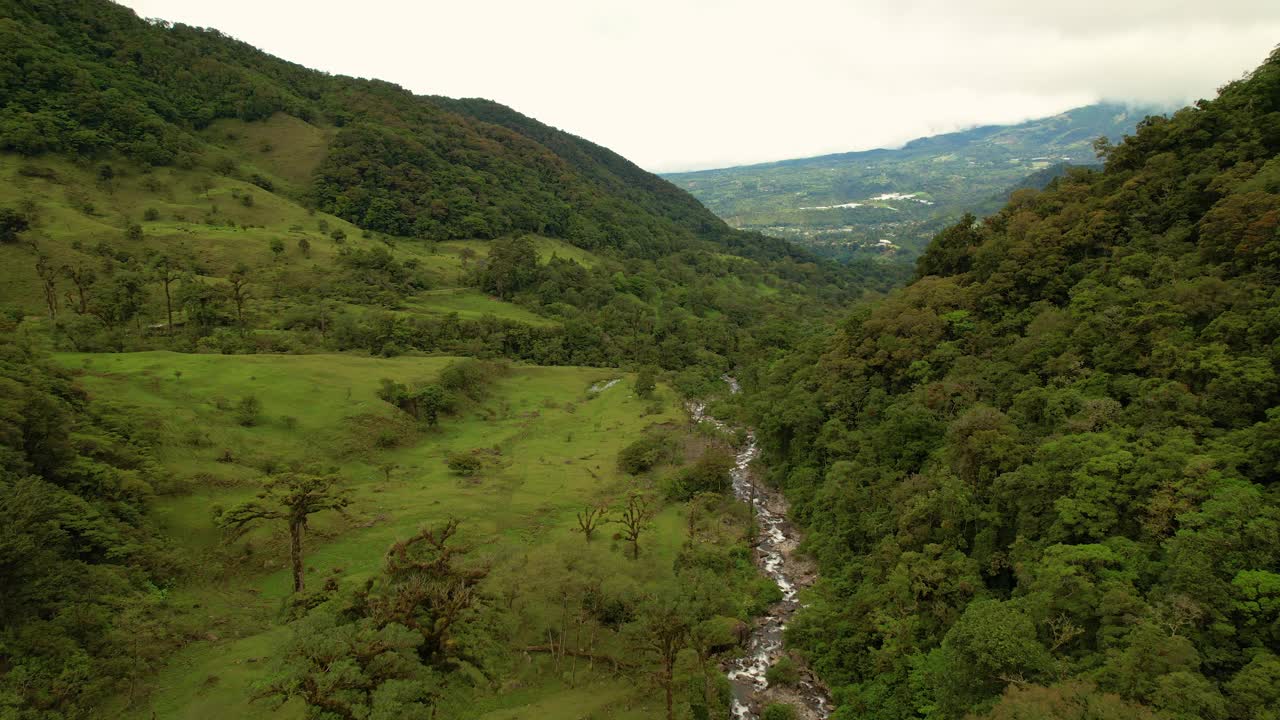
{"points": [[775, 552]]}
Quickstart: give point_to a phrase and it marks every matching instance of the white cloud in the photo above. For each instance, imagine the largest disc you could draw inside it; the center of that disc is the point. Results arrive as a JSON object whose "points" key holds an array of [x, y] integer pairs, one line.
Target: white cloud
{"points": [[680, 84]]}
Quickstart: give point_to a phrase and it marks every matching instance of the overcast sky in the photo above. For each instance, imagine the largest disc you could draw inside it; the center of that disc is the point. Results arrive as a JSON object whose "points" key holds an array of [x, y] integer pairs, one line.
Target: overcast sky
{"points": [[688, 84]]}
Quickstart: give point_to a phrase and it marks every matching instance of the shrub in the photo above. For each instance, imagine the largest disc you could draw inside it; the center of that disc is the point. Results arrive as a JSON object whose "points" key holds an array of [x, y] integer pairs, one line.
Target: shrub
{"points": [[645, 383], [470, 378], [249, 410], [466, 464], [12, 223], [711, 473], [783, 672], [151, 214], [778, 711], [645, 453]]}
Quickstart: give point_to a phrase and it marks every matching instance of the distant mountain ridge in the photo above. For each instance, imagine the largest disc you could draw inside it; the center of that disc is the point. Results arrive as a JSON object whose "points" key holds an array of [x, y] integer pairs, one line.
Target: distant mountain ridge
{"points": [[894, 200]]}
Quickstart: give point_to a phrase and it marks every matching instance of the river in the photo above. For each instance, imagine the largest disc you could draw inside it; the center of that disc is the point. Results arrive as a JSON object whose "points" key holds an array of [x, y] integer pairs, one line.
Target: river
{"points": [[775, 546]]}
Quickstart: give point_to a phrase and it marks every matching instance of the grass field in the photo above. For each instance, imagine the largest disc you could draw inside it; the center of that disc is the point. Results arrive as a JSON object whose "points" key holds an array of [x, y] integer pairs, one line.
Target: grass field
{"points": [[471, 304], [555, 446], [208, 223]]}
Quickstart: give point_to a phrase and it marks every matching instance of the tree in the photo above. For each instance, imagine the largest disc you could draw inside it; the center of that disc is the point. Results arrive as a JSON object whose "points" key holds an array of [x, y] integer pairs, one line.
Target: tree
{"points": [[637, 516], [120, 299], [991, 646], [82, 277], [387, 650], [950, 252], [341, 668], [49, 282], [277, 247], [249, 410], [431, 401], [292, 497], [511, 266], [645, 452], [661, 631], [428, 586], [166, 271], [590, 518], [238, 292], [202, 302], [304, 246], [12, 224], [645, 383], [133, 232]]}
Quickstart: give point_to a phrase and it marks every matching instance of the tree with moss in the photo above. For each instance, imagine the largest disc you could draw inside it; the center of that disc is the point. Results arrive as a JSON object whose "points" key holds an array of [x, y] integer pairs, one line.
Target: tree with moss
{"points": [[292, 497]]}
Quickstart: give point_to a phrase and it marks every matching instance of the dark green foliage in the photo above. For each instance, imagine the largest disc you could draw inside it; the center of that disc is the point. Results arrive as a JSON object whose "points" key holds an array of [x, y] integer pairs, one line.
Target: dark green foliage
{"points": [[710, 473], [783, 672], [778, 711], [76, 555], [424, 403], [470, 378], [388, 649], [1041, 479], [645, 383], [646, 452], [249, 410], [466, 464], [12, 224], [510, 267]]}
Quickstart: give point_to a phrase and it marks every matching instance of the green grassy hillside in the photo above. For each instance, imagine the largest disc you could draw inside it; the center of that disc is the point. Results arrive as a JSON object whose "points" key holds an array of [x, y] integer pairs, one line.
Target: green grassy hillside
{"points": [[891, 202], [550, 445], [235, 286]]}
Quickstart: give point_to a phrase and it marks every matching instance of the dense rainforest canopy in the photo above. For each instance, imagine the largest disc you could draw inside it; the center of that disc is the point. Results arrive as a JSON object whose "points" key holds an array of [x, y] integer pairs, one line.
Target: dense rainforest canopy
{"points": [[1041, 479]]}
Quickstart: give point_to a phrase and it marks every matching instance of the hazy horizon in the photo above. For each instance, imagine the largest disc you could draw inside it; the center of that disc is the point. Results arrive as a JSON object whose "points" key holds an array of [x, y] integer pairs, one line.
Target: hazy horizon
{"points": [[681, 86]]}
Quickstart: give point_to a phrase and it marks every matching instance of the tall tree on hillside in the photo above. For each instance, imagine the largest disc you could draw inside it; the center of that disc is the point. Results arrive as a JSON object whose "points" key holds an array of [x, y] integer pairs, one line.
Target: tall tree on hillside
{"points": [[636, 517], [661, 631], [645, 383], [292, 497], [81, 276], [238, 292], [49, 281], [165, 271], [511, 266]]}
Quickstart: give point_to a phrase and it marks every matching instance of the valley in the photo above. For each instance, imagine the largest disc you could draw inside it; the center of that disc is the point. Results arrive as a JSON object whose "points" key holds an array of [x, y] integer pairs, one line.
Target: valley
{"points": [[322, 399], [888, 203]]}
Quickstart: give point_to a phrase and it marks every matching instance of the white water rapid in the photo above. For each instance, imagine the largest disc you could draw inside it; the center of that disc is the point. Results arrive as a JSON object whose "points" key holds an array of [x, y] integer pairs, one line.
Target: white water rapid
{"points": [[776, 538]]}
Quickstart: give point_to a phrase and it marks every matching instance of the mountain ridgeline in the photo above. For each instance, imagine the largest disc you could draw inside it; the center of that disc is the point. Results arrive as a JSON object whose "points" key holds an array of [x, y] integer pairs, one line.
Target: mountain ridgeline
{"points": [[891, 202], [1041, 480], [87, 78]]}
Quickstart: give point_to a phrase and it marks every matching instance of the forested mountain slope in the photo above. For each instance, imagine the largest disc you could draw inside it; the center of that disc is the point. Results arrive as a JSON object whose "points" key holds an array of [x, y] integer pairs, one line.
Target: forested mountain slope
{"points": [[1042, 479], [88, 77], [285, 208], [891, 202]]}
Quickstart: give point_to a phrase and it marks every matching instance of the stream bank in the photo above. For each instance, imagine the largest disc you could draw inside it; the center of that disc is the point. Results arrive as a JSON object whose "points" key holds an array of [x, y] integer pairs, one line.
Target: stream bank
{"points": [[775, 553]]}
